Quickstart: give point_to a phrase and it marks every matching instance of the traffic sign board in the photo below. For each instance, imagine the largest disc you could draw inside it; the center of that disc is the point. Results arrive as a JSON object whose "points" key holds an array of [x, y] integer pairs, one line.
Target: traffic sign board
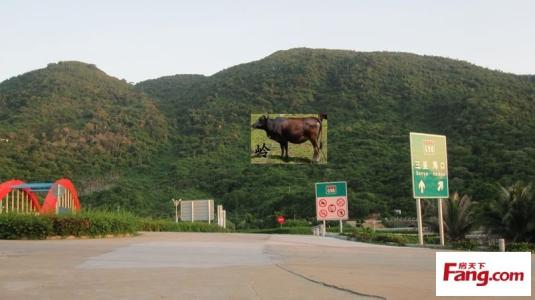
{"points": [[429, 163], [280, 219], [197, 210], [331, 189], [331, 201]]}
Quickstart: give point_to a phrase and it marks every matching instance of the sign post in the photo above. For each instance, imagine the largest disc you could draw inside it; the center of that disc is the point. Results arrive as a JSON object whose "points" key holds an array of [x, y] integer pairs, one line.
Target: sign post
{"points": [[220, 215], [197, 210], [429, 164], [280, 220], [440, 222], [419, 216], [176, 203], [331, 202], [224, 218]]}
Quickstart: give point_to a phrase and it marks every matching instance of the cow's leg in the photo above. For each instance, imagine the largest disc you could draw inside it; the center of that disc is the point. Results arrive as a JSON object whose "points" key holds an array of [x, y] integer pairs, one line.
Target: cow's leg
{"points": [[316, 156], [282, 150], [286, 150]]}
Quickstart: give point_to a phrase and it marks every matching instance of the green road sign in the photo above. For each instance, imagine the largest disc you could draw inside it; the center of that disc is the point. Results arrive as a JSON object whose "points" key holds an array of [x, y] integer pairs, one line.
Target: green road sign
{"points": [[429, 162], [331, 189]]}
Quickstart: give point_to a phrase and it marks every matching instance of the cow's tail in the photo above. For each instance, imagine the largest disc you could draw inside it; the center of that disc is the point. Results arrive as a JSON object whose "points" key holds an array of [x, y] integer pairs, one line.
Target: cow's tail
{"points": [[322, 117]]}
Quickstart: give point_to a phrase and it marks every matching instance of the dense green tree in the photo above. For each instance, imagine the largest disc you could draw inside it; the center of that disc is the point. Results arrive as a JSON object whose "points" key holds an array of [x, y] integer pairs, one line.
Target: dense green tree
{"points": [[512, 214], [459, 217]]}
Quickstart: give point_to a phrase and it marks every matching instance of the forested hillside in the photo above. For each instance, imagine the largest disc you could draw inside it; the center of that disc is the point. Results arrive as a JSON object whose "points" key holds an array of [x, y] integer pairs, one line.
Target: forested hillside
{"points": [[71, 119], [201, 147]]}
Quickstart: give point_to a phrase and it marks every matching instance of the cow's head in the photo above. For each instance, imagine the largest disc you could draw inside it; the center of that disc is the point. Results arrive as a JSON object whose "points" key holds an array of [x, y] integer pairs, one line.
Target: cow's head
{"points": [[261, 123]]}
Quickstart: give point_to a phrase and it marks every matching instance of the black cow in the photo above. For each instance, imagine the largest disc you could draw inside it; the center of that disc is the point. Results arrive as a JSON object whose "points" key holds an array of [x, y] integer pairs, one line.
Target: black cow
{"points": [[293, 130]]}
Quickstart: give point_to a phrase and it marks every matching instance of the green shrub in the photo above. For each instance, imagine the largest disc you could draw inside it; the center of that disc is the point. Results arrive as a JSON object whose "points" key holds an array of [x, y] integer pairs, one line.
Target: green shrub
{"points": [[92, 224], [520, 247], [14, 226], [296, 223], [390, 238], [281, 230], [432, 239], [166, 225], [364, 235], [463, 245], [105, 223], [70, 225], [400, 239]]}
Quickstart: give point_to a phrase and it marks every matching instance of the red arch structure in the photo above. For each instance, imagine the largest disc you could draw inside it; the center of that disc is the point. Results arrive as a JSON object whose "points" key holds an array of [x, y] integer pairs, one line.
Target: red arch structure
{"points": [[9, 187], [62, 191], [61, 196]]}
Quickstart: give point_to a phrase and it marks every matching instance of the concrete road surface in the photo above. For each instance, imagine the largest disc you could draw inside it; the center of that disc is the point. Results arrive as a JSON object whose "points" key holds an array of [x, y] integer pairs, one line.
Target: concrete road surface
{"points": [[214, 266]]}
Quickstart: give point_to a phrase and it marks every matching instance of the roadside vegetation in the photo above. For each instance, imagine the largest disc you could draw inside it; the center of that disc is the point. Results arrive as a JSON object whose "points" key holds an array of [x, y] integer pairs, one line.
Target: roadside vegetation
{"points": [[510, 215], [477, 226], [135, 147], [468, 225], [281, 230], [89, 224], [368, 235]]}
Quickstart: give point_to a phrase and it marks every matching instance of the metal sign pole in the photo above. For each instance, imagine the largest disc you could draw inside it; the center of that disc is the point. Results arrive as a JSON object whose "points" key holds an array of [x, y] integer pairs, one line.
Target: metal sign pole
{"points": [[176, 213], [440, 222], [420, 228], [323, 229], [192, 211], [176, 203], [341, 227], [219, 209]]}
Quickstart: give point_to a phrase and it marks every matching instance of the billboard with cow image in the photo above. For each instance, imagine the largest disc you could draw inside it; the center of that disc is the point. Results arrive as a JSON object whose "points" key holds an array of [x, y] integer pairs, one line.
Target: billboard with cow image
{"points": [[288, 138]]}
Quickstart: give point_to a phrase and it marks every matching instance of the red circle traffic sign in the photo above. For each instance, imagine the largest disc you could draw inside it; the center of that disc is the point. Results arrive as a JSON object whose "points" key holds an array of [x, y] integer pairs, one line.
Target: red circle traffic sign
{"points": [[332, 208], [280, 219], [340, 202], [323, 213], [323, 202], [341, 212]]}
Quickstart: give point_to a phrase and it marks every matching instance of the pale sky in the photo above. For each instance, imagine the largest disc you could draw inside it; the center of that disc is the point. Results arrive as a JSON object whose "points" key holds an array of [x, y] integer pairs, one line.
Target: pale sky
{"points": [[139, 40]]}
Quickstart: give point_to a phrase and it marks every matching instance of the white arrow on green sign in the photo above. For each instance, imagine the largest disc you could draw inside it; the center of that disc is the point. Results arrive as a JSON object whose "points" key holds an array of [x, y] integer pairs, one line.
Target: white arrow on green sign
{"points": [[429, 161]]}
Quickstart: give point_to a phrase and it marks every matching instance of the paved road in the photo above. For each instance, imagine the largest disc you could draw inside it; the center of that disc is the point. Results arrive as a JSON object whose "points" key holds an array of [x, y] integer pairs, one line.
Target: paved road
{"points": [[214, 266]]}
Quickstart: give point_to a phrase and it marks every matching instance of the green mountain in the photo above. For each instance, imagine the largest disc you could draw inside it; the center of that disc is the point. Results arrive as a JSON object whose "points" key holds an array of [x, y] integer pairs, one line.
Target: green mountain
{"points": [[198, 143], [71, 119]]}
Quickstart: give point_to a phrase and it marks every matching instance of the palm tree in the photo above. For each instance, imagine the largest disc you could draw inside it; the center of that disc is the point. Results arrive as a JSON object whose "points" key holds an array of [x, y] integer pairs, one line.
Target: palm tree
{"points": [[458, 216], [512, 215]]}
